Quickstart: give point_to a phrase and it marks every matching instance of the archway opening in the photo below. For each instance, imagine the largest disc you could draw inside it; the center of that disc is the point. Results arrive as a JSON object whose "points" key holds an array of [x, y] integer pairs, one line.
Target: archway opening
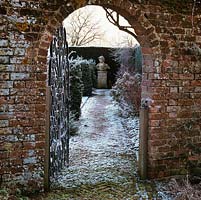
{"points": [[128, 74], [100, 125]]}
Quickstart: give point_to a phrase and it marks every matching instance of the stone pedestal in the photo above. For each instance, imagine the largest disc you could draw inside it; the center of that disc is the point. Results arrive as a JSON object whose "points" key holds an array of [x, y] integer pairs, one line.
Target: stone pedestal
{"points": [[102, 80]]}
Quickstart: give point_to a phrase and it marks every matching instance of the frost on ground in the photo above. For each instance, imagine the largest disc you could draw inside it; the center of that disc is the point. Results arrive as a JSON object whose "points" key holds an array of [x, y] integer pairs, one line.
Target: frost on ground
{"points": [[103, 161], [101, 148], [104, 152]]}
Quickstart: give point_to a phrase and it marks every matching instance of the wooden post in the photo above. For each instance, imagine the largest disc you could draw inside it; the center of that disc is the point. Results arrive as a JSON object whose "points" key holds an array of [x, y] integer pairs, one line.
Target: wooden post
{"points": [[143, 148], [47, 141]]}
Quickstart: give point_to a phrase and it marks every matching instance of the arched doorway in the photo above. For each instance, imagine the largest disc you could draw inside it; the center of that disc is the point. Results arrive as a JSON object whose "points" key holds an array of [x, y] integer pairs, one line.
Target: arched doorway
{"points": [[170, 40], [144, 30]]}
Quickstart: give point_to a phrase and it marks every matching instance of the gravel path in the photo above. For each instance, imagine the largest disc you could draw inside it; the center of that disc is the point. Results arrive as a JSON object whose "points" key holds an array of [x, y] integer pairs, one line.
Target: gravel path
{"points": [[103, 157], [102, 151]]}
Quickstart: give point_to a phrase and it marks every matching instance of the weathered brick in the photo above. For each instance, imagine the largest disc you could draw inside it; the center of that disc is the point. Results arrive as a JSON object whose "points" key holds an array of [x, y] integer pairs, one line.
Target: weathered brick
{"points": [[30, 160], [172, 102], [8, 138], [198, 76], [195, 95], [3, 43], [19, 52], [174, 89], [30, 137], [6, 68], [4, 92], [173, 108], [4, 60], [4, 123], [198, 89], [19, 84], [6, 52], [19, 76], [155, 123], [7, 84], [5, 131]]}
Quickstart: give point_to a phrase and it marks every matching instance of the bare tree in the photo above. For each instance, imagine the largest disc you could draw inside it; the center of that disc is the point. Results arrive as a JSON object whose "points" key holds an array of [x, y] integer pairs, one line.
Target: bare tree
{"points": [[126, 40], [114, 18], [129, 41], [82, 29]]}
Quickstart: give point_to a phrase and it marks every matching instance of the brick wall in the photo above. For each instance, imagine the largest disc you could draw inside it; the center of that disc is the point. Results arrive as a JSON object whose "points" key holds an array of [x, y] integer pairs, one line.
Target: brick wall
{"points": [[174, 85], [171, 83]]}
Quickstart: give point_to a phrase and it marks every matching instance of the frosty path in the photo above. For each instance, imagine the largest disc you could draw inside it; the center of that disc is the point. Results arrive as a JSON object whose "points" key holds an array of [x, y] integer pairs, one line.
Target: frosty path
{"points": [[102, 157], [102, 151]]}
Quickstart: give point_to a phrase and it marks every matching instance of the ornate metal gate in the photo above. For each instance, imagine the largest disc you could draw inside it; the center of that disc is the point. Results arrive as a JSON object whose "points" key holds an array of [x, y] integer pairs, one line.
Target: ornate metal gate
{"points": [[59, 103]]}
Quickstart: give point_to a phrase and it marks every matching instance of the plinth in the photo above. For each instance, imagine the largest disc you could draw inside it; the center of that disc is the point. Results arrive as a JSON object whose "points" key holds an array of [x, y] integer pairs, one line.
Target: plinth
{"points": [[102, 80]]}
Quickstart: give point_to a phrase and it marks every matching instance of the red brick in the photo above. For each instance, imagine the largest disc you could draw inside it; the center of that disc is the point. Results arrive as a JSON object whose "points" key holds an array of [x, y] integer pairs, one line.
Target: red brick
{"points": [[196, 83], [154, 123], [146, 51], [171, 81], [42, 52], [186, 76]]}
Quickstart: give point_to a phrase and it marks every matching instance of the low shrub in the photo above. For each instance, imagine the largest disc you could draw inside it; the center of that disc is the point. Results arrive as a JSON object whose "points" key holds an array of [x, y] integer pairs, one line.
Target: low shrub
{"points": [[127, 93], [181, 189], [127, 89]]}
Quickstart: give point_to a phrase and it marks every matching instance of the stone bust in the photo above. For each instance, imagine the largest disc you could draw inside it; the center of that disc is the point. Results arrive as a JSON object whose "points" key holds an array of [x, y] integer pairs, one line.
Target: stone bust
{"points": [[102, 66]]}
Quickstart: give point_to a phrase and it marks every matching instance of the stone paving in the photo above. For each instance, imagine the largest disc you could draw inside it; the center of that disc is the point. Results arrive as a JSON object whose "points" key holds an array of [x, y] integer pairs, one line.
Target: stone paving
{"points": [[103, 162]]}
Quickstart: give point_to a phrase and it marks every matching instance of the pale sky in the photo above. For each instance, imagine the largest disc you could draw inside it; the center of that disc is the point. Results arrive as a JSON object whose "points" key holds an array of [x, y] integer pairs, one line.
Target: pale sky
{"points": [[113, 37]]}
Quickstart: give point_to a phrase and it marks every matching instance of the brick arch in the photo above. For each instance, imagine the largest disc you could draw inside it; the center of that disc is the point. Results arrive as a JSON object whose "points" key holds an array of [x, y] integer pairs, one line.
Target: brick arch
{"points": [[134, 14], [147, 36], [171, 78]]}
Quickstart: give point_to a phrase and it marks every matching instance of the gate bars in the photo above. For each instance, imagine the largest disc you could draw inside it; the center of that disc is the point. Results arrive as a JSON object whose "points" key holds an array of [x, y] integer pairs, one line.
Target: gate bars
{"points": [[57, 150]]}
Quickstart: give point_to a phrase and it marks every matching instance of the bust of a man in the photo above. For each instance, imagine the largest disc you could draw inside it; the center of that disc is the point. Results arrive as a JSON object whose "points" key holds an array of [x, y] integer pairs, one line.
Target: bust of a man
{"points": [[102, 66]]}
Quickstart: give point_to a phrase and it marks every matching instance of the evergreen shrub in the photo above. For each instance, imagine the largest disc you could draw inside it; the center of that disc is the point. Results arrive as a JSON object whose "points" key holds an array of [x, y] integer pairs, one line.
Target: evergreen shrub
{"points": [[88, 76], [76, 88]]}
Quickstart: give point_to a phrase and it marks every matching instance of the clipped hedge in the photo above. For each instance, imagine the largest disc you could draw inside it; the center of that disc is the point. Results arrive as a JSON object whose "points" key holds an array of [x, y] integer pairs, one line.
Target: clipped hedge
{"points": [[76, 89], [82, 80], [88, 76], [92, 66]]}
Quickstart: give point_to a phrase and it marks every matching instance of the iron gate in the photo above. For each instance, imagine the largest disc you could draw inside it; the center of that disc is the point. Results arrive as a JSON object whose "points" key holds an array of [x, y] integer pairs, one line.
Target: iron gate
{"points": [[59, 103]]}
